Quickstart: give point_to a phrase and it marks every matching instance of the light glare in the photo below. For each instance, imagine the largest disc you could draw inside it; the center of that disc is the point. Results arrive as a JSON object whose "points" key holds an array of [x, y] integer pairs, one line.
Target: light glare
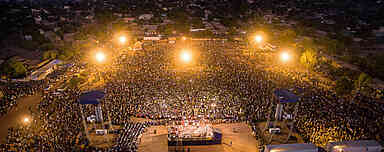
{"points": [[186, 56], [122, 39], [258, 38], [26, 120], [285, 56], [100, 57]]}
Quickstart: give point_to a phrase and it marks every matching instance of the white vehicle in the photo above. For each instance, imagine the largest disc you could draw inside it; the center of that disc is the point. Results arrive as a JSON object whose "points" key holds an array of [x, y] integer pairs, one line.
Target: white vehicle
{"points": [[291, 148], [274, 130], [354, 146], [91, 118], [101, 132]]}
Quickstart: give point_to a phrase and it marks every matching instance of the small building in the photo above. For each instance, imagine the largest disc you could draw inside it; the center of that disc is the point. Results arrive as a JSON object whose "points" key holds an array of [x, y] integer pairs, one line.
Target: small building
{"points": [[128, 19], [89, 17], [354, 146], [152, 38], [197, 29], [28, 37], [291, 148], [38, 19], [145, 17]]}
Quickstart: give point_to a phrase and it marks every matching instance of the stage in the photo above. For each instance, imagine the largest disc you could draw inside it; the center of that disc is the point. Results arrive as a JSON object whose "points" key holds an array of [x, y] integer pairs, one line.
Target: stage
{"points": [[188, 133], [242, 140]]}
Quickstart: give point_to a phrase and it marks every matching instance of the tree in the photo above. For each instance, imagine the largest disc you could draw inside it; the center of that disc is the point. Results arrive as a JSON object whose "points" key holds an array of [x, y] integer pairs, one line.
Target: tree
{"points": [[168, 29], [197, 23], [333, 46], [81, 35], [309, 58], [308, 43], [47, 46], [179, 15], [362, 81], [344, 85], [238, 7], [75, 82], [14, 68], [104, 16], [67, 52], [51, 54], [378, 66], [288, 36]]}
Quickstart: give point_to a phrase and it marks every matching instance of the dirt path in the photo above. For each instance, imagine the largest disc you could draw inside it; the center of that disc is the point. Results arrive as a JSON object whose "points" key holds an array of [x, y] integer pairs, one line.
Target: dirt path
{"points": [[17, 114]]}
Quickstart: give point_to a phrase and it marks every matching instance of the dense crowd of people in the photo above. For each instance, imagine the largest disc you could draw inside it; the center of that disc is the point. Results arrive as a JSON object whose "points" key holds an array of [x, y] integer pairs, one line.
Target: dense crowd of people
{"points": [[128, 138], [13, 90], [219, 85]]}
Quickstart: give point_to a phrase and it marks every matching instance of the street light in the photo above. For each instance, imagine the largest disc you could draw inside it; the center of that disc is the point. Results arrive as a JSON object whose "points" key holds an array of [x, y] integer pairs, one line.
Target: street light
{"points": [[122, 39], [100, 56], [26, 120], [186, 56], [258, 38], [284, 56]]}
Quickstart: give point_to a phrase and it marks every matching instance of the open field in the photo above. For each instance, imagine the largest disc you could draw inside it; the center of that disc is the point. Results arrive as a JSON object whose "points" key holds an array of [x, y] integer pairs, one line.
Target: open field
{"points": [[242, 140]]}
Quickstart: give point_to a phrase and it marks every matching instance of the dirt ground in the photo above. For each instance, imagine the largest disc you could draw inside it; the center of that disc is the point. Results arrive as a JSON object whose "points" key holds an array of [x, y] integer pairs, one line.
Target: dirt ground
{"points": [[17, 114], [242, 140]]}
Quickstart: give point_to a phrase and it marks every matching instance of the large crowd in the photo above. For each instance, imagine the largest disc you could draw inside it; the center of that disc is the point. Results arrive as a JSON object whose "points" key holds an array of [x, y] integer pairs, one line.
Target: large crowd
{"points": [[11, 91], [219, 86]]}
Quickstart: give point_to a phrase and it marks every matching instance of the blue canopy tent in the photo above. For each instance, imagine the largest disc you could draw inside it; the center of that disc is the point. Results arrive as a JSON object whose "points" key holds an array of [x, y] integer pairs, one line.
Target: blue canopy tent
{"points": [[91, 97], [285, 96]]}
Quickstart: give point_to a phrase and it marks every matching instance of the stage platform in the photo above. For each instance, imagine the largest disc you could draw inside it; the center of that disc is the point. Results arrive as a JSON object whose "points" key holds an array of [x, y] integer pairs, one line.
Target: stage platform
{"points": [[216, 139], [191, 132], [242, 140]]}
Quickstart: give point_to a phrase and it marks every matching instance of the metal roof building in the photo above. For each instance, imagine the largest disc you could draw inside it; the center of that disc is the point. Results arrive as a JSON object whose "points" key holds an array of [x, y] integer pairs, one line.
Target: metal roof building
{"points": [[354, 146], [291, 148]]}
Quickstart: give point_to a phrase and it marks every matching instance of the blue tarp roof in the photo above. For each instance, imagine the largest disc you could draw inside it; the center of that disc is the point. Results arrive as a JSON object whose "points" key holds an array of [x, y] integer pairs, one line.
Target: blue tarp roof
{"points": [[285, 96], [91, 97]]}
